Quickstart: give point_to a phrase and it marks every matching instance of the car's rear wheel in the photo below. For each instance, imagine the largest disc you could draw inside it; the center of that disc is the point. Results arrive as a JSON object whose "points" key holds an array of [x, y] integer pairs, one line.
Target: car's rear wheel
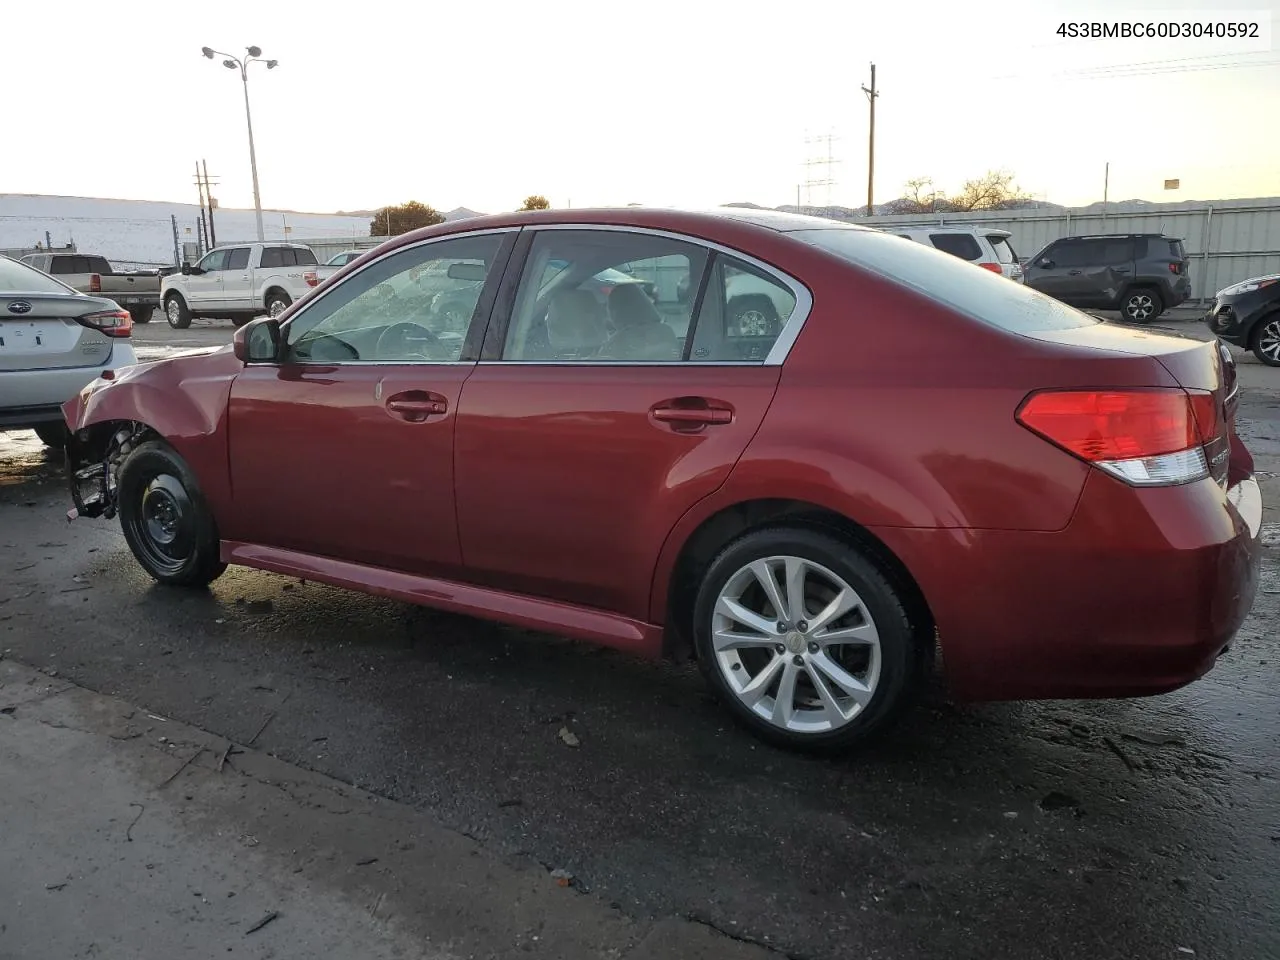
{"points": [[804, 639], [52, 435], [1141, 305], [165, 519], [177, 312], [1266, 340]]}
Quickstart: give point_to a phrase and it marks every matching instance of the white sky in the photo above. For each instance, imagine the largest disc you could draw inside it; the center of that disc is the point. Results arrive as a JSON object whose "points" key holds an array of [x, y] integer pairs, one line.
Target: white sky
{"points": [[687, 102]]}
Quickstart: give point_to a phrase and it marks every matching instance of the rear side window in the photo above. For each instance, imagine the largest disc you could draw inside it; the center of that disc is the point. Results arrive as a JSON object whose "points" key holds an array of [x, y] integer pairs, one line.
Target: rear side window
{"points": [[1176, 250], [1115, 253], [238, 259], [962, 245], [1004, 250], [96, 265], [273, 256], [980, 294], [305, 257], [65, 265]]}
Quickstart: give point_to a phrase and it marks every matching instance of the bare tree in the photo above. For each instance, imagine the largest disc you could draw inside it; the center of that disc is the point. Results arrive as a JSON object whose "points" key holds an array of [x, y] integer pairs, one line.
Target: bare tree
{"points": [[995, 190]]}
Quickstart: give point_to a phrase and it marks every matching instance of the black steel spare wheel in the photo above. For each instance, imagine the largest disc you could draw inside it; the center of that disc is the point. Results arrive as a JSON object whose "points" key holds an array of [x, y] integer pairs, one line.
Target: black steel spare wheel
{"points": [[165, 520]]}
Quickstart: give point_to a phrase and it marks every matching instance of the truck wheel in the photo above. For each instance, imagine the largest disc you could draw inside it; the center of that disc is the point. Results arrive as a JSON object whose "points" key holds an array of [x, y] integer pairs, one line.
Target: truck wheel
{"points": [[165, 519], [277, 303], [141, 314], [240, 319], [177, 312]]}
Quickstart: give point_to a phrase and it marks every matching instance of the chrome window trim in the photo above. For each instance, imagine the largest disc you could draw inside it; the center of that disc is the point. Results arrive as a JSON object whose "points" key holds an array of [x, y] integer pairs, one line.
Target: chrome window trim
{"points": [[777, 354], [309, 304]]}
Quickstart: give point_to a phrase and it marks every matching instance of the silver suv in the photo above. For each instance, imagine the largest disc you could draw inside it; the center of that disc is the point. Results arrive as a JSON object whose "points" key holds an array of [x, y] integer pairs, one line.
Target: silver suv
{"points": [[988, 248]]}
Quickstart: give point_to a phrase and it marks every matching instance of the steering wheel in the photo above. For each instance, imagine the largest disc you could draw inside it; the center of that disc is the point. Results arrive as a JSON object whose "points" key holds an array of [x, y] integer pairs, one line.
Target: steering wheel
{"points": [[405, 340]]}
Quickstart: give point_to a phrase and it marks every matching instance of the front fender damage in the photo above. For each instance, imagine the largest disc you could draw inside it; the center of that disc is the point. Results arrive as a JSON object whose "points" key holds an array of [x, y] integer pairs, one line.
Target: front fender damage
{"points": [[94, 456]]}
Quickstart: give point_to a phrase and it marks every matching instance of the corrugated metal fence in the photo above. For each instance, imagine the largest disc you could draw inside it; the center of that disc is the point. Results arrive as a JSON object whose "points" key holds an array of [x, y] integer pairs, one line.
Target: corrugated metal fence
{"points": [[1227, 240]]}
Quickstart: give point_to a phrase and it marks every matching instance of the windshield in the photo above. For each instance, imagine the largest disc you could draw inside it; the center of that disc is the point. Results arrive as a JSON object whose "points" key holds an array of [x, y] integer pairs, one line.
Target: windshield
{"points": [[980, 294], [17, 277]]}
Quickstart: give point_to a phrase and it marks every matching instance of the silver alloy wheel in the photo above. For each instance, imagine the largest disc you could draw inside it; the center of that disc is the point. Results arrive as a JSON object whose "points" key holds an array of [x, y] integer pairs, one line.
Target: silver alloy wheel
{"points": [[1269, 340], [1140, 306], [753, 322], [173, 311], [796, 644], [275, 308]]}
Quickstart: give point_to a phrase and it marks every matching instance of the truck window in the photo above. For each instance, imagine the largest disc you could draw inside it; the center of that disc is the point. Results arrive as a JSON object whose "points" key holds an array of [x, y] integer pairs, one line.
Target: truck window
{"points": [[306, 257], [238, 258], [95, 265]]}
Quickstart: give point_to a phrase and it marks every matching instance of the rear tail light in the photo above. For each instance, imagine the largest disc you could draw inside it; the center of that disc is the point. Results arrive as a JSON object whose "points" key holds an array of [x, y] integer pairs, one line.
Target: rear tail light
{"points": [[95, 283], [1146, 438], [311, 279], [114, 323], [993, 267], [1175, 268]]}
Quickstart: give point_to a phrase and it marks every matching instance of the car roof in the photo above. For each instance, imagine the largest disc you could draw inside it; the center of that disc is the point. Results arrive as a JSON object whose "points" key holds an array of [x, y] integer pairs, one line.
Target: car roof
{"points": [[949, 228], [1120, 236]]}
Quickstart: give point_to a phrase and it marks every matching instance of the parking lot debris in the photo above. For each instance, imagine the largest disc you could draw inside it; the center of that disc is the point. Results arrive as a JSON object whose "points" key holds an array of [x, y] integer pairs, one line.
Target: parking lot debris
{"points": [[569, 737], [562, 877], [263, 922]]}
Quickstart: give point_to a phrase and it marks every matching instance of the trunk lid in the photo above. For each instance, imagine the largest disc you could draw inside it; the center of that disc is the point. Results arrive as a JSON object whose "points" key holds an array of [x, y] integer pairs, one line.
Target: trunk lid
{"points": [[45, 334]]}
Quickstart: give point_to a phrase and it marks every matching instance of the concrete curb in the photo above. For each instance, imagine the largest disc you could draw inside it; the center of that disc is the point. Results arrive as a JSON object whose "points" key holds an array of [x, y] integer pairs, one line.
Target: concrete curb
{"points": [[130, 834]]}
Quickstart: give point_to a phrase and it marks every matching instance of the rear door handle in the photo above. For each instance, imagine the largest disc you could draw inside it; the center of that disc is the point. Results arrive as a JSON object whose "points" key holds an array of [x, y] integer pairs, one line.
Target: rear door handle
{"points": [[1074, 273], [1120, 270]]}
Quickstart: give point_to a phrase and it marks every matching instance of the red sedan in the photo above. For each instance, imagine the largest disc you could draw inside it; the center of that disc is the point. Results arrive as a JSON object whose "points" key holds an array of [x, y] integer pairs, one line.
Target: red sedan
{"points": [[839, 454]]}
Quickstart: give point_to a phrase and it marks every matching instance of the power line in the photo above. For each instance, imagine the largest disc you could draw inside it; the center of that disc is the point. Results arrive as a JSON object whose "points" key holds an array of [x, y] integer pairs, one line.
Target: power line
{"points": [[1150, 68]]}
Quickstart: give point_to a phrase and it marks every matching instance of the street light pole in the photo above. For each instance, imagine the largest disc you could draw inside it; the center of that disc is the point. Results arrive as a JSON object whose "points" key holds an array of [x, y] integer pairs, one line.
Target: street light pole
{"points": [[233, 63]]}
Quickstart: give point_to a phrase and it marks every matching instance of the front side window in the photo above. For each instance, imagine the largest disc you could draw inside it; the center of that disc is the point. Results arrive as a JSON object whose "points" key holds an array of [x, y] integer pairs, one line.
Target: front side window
{"points": [[217, 260], [605, 296], [414, 306]]}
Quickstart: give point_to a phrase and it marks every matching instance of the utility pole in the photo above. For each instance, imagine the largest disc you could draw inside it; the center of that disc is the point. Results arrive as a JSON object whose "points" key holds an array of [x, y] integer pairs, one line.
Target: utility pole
{"points": [[1106, 188], [213, 234], [177, 254], [204, 223], [871, 93]]}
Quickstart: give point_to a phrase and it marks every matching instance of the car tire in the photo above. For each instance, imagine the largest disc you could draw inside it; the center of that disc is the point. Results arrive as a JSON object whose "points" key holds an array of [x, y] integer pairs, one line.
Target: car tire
{"points": [[141, 314], [758, 308], [1141, 305], [177, 312], [241, 319], [736, 658], [277, 303], [1265, 340], [165, 519], [52, 435]]}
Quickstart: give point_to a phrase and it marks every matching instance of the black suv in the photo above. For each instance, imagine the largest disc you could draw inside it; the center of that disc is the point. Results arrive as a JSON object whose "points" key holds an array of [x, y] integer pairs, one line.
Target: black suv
{"points": [[1139, 274], [1248, 314]]}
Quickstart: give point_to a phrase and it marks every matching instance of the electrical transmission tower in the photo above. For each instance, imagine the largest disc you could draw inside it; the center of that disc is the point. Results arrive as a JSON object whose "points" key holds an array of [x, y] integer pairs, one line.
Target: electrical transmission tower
{"points": [[820, 163]]}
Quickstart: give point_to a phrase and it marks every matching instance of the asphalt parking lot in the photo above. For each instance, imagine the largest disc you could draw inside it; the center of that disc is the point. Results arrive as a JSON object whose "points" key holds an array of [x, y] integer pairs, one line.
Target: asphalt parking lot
{"points": [[1122, 829]]}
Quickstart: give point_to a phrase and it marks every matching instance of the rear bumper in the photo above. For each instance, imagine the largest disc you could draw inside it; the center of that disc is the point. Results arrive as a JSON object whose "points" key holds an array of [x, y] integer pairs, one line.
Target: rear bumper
{"points": [[29, 398], [1138, 595]]}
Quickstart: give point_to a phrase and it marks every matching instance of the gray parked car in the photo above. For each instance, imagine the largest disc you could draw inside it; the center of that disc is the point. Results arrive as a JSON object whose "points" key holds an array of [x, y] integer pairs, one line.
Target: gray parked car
{"points": [[54, 341], [1139, 274]]}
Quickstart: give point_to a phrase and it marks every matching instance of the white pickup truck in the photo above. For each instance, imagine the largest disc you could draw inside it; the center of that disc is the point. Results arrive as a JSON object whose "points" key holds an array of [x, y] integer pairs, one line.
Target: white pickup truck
{"points": [[239, 282]]}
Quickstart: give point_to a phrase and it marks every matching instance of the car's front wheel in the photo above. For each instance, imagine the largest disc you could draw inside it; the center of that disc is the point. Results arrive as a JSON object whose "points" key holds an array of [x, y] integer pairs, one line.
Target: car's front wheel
{"points": [[177, 312], [805, 639], [1266, 341], [165, 519]]}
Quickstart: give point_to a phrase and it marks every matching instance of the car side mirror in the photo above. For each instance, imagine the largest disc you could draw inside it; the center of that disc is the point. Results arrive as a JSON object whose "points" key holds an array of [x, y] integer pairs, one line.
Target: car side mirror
{"points": [[258, 341], [1047, 264], [186, 269]]}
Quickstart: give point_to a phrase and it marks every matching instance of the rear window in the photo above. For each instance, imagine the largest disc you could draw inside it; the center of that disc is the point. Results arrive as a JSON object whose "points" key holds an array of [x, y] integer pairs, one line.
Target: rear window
{"points": [[980, 294], [19, 278], [962, 245], [1004, 250]]}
